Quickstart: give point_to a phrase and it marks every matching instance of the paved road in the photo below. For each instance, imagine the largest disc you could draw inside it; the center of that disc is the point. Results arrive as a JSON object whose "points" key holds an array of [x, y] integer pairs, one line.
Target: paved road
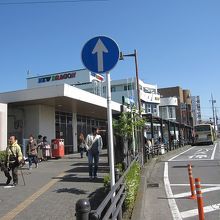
{"points": [[52, 190], [165, 187], [205, 161]]}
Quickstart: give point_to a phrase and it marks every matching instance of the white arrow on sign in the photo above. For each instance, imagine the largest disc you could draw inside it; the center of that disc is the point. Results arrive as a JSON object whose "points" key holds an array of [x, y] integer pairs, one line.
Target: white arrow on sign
{"points": [[100, 49]]}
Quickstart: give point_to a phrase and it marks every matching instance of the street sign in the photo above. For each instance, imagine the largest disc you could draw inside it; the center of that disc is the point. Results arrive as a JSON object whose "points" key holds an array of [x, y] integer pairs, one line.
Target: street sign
{"points": [[100, 54]]}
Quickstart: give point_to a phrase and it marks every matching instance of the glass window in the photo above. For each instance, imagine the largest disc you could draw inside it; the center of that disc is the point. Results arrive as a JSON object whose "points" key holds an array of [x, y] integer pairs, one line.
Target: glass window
{"points": [[62, 119], [163, 112], [149, 108], [113, 89], [127, 87], [57, 119], [69, 120], [104, 89], [203, 128]]}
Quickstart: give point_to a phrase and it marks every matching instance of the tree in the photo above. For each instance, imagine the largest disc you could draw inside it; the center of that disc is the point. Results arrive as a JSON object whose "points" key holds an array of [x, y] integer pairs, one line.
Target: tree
{"points": [[124, 126]]}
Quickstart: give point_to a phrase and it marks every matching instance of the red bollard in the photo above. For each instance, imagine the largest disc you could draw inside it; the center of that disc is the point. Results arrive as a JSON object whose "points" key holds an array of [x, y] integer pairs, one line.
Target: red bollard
{"points": [[199, 199], [191, 181]]}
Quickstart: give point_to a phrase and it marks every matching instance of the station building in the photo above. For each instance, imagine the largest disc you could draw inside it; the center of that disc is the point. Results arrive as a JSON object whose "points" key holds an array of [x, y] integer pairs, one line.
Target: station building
{"points": [[54, 107], [61, 105]]}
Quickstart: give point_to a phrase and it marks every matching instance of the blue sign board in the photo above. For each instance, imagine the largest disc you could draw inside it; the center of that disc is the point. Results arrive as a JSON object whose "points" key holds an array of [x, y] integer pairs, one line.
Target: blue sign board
{"points": [[100, 54]]}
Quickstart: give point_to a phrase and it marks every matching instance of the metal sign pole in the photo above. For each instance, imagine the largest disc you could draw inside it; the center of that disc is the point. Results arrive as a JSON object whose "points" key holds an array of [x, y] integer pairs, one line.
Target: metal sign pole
{"points": [[110, 131], [99, 55]]}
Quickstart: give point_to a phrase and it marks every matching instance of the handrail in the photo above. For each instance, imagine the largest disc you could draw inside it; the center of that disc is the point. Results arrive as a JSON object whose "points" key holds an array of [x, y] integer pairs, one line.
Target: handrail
{"points": [[97, 213]]}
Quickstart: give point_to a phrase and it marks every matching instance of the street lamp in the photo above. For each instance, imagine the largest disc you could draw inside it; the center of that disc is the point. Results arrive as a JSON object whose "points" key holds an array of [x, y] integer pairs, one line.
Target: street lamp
{"points": [[141, 150], [137, 77]]}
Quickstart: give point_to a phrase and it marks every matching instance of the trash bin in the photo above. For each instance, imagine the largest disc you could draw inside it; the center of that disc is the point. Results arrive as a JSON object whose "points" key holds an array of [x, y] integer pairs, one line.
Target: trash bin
{"points": [[57, 146]]}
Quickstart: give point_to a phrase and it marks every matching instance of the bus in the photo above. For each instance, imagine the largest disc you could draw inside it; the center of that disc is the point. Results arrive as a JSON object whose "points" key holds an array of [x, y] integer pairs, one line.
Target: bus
{"points": [[204, 134]]}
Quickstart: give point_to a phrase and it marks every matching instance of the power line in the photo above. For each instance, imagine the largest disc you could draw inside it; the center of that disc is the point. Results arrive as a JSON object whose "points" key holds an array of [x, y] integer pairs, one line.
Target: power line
{"points": [[47, 2]]}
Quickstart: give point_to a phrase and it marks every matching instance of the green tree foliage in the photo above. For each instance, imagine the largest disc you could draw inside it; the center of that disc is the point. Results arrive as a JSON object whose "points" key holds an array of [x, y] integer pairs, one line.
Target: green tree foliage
{"points": [[132, 180], [126, 123]]}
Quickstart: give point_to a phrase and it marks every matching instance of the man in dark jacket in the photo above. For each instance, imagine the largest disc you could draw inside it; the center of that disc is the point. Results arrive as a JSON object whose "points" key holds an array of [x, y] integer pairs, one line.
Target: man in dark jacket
{"points": [[32, 152]]}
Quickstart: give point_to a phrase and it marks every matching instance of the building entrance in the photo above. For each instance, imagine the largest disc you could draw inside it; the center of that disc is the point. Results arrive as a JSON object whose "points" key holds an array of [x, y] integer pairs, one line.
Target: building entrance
{"points": [[64, 129]]}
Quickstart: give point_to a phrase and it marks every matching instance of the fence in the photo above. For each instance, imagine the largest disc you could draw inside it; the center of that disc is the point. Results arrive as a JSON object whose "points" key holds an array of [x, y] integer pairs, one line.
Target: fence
{"points": [[111, 207]]}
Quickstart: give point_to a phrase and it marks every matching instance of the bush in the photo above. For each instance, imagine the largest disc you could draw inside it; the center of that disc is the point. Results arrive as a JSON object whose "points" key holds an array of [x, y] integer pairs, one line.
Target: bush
{"points": [[132, 182], [2, 155], [107, 182]]}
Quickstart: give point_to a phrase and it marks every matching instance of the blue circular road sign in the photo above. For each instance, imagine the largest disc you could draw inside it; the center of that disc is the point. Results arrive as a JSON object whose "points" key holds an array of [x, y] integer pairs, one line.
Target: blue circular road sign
{"points": [[100, 54]]}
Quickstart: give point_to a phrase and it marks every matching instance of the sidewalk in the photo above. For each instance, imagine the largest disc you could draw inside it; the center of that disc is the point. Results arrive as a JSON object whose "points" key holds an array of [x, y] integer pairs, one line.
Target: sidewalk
{"points": [[52, 190]]}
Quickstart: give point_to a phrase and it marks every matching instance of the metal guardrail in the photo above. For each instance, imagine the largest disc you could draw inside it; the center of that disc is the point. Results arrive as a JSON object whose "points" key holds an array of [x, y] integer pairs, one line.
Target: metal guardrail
{"points": [[115, 197], [158, 149]]}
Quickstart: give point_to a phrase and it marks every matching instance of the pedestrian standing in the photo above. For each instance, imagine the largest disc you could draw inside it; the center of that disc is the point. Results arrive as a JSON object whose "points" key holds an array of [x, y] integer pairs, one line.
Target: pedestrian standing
{"points": [[12, 160], [81, 144], [32, 152], [40, 148], [46, 149], [93, 145]]}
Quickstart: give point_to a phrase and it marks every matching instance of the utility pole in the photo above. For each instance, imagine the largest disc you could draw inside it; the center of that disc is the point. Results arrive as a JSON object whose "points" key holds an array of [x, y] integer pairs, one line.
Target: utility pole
{"points": [[216, 119], [213, 111]]}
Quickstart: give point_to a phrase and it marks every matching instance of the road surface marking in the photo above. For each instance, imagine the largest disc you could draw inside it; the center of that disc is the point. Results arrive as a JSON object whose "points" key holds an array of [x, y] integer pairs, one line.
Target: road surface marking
{"points": [[199, 156], [181, 153], [172, 203], [213, 153], [23, 205], [187, 184], [185, 194], [194, 212]]}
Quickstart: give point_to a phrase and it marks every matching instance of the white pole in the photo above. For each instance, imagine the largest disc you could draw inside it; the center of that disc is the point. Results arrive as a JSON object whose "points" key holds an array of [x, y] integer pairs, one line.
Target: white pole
{"points": [[133, 137], [110, 131]]}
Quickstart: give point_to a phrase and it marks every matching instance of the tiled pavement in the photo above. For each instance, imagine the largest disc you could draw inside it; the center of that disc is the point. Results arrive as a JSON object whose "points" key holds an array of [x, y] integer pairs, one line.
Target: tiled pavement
{"points": [[52, 190]]}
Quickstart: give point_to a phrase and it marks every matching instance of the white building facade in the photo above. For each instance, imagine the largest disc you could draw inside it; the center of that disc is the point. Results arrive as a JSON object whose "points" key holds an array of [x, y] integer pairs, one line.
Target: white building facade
{"points": [[168, 107], [52, 106], [196, 110], [126, 89], [3, 125]]}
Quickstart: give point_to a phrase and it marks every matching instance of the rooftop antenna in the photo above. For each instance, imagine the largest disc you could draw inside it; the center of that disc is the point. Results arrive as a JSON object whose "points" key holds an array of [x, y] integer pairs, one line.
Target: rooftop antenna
{"points": [[28, 73]]}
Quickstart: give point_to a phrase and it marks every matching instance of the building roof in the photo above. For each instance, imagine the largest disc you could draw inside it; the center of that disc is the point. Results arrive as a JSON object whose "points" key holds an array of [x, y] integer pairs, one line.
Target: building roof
{"points": [[63, 97]]}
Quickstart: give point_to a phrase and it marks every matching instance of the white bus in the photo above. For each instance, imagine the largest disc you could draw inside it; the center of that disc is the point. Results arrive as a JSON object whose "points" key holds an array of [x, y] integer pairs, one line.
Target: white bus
{"points": [[204, 134]]}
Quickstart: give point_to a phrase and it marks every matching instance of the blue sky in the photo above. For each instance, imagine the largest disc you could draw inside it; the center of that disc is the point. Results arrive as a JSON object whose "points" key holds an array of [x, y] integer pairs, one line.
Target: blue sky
{"points": [[178, 41]]}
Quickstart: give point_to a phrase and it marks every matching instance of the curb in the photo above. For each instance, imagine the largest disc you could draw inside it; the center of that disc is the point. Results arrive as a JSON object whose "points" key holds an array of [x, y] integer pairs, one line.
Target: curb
{"points": [[140, 199]]}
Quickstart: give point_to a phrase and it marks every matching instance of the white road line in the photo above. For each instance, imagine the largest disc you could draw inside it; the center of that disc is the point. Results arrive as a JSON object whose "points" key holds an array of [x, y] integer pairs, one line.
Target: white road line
{"points": [[185, 194], [187, 184], [194, 212], [180, 154], [172, 203], [213, 153]]}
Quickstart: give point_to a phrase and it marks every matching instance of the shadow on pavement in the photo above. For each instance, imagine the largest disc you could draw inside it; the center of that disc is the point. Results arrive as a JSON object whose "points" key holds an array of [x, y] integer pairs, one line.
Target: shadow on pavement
{"points": [[71, 190], [97, 197], [72, 178]]}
